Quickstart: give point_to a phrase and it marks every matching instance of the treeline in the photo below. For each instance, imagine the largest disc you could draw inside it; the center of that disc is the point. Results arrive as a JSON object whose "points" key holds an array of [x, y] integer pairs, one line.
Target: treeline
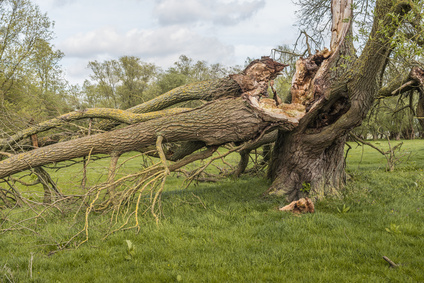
{"points": [[129, 81], [392, 118], [32, 87]]}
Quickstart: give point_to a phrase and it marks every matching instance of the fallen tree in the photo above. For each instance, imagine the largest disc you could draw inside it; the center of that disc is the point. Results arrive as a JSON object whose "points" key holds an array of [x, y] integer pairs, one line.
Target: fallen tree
{"points": [[229, 119], [331, 93]]}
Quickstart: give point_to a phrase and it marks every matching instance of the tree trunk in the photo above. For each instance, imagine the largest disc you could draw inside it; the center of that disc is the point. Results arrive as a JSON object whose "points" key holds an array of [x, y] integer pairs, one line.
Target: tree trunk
{"points": [[310, 159], [215, 123], [331, 93], [307, 170], [420, 112]]}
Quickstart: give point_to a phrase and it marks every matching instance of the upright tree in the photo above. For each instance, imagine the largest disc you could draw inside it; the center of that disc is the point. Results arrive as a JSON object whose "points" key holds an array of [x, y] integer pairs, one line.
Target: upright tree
{"points": [[29, 69], [136, 77]]}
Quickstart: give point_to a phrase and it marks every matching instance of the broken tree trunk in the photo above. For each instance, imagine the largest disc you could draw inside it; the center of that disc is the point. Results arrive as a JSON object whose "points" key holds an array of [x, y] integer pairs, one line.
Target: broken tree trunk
{"points": [[118, 115], [205, 90], [310, 159], [220, 122], [332, 92]]}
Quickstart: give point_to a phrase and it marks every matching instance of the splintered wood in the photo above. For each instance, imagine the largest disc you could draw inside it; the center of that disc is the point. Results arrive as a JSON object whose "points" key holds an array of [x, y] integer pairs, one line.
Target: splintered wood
{"points": [[306, 70], [303, 205], [254, 82]]}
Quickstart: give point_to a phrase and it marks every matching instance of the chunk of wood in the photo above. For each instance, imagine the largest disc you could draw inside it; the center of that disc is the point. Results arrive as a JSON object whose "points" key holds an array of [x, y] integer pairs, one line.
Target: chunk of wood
{"points": [[303, 205]]}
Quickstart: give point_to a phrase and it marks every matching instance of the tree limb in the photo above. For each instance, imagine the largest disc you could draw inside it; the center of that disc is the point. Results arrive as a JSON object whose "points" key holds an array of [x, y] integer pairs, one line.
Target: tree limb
{"points": [[400, 85], [105, 113], [214, 123]]}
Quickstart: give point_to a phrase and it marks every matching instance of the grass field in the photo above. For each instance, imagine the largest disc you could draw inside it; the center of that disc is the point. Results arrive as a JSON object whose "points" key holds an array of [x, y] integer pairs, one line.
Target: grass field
{"points": [[229, 232]]}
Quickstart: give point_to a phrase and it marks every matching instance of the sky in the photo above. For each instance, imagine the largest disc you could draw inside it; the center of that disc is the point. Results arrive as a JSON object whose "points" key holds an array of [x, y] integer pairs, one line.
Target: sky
{"points": [[159, 31]]}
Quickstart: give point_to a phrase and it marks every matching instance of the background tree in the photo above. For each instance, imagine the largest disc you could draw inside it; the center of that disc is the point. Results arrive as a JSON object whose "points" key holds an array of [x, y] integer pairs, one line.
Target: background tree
{"points": [[136, 77], [31, 87], [127, 82], [104, 92]]}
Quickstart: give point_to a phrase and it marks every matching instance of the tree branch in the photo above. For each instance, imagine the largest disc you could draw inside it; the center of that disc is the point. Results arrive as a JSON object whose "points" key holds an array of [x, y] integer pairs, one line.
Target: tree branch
{"points": [[400, 85], [215, 123], [105, 113]]}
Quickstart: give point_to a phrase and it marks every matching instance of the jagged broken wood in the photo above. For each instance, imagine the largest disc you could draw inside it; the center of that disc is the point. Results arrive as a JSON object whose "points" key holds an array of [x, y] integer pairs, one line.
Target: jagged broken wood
{"points": [[303, 205]]}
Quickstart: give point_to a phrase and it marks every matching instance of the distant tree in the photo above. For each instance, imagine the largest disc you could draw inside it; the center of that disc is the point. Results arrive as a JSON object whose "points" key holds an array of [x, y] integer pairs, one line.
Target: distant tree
{"points": [[30, 84], [390, 118], [128, 81], [135, 79], [119, 83], [186, 70], [106, 80]]}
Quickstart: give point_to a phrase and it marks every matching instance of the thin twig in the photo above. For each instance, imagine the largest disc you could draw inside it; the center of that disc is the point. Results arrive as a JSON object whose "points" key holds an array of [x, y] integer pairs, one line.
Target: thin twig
{"points": [[392, 264]]}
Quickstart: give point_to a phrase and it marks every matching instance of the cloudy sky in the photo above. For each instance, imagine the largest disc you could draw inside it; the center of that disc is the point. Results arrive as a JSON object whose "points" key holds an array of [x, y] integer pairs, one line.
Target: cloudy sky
{"points": [[159, 31]]}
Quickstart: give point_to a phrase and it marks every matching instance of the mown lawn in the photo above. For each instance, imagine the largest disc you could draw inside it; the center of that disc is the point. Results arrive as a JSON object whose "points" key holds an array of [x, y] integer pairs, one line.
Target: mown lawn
{"points": [[230, 232]]}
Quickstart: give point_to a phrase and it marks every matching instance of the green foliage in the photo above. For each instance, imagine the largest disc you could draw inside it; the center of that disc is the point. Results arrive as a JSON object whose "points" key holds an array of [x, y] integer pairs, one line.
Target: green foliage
{"points": [[390, 117], [32, 88], [130, 250], [404, 42], [343, 209], [128, 81], [306, 187], [394, 229]]}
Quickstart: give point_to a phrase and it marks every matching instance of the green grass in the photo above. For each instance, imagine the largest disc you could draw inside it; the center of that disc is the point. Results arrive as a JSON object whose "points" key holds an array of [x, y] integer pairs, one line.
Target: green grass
{"points": [[229, 232]]}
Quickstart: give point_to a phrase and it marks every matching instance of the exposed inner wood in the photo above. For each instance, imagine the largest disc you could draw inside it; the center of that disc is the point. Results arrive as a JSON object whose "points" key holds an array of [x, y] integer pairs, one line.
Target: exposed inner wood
{"points": [[254, 83]]}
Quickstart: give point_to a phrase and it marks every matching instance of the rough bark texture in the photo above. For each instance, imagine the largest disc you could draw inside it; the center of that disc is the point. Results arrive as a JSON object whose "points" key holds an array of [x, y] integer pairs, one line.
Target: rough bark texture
{"points": [[414, 80], [332, 92], [420, 110], [106, 113], [214, 123], [309, 160], [205, 90], [226, 119], [305, 169]]}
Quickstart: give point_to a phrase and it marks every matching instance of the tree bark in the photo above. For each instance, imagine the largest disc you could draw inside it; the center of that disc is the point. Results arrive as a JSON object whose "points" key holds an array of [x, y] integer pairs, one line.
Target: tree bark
{"points": [[420, 111], [215, 123], [205, 90], [121, 116], [297, 166], [310, 159]]}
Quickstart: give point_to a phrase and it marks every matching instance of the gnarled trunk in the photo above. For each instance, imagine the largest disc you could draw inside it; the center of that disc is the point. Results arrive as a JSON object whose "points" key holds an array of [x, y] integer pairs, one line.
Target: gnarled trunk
{"points": [[299, 169], [310, 159], [227, 119]]}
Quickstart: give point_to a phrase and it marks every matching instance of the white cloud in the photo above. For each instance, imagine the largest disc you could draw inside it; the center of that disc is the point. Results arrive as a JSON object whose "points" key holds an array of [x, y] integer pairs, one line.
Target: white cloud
{"points": [[252, 51], [159, 31], [55, 3], [171, 12], [162, 41], [76, 70], [161, 46]]}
